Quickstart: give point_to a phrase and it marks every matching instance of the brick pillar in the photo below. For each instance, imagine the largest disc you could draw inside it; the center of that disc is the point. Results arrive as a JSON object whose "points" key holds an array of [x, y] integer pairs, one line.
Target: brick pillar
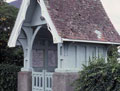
{"points": [[63, 81], [25, 81]]}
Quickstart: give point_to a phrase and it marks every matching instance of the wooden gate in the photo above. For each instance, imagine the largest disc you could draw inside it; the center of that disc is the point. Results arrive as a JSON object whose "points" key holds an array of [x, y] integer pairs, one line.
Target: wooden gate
{"points": [[44, 63], [42, 81]]}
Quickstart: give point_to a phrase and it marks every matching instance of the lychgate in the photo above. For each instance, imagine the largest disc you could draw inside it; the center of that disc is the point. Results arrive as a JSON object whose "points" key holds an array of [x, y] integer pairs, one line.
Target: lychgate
{"points": [[57, 37]]}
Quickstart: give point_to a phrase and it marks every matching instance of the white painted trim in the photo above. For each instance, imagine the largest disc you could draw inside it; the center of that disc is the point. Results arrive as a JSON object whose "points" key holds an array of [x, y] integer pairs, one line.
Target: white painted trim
{"points": [[18, 24], [34, 35], [45, 14], [21, 17], [87, 41]]}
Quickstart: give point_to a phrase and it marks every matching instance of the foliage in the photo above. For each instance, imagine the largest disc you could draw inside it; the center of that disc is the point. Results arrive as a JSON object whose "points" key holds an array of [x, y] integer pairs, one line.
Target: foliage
{"points": [[7, 18], [8, 77], [113, 53], [1, 1], [10, 58], [99, 75]]}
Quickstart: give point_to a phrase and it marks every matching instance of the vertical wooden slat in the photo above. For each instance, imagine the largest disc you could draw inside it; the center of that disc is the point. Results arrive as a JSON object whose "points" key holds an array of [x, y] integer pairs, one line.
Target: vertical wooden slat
{"points": [[41, 78]]}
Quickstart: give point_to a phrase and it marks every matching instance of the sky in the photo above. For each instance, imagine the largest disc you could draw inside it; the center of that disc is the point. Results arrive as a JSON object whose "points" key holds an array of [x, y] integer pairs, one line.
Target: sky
{"points": [[9, 1], [112, 7]]}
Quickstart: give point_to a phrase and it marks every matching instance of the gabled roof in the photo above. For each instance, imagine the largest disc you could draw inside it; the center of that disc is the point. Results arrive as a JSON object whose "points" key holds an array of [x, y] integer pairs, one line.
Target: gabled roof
{"points": [[18, 24], [72, 20]]}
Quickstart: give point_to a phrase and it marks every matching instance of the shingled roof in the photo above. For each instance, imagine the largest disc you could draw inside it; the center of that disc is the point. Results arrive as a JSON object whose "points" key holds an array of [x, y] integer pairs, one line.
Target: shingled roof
{"points": [[70, 20], [82, 20]]}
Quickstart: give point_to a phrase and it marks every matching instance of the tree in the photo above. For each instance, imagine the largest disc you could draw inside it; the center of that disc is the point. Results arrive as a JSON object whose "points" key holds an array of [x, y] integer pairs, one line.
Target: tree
{"points": [[10, 58], [7, 18]]}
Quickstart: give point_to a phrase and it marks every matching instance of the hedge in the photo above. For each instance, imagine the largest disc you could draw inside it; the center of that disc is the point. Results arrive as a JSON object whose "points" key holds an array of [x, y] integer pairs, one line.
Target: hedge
{"points": [[99, 75], [8, 77]]}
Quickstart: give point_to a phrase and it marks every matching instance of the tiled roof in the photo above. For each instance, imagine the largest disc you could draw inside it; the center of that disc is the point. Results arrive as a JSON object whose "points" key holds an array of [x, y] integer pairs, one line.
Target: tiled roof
{"points": [[82, 20]]}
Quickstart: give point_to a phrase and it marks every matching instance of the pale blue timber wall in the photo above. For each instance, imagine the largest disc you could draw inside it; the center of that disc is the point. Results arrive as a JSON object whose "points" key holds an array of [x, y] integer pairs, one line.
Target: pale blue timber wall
{"points": [[72, 55]]}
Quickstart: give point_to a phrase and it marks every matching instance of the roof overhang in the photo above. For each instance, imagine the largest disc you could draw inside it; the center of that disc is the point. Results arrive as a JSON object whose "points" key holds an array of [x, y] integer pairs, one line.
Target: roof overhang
{"points": [[51, 26], [56, 38], [86, 41], [18, 24]]}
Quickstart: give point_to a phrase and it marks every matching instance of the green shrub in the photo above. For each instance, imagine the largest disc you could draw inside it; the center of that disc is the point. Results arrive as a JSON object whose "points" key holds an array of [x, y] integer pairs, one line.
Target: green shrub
{"points": [[99, 76], [8, 77]]}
